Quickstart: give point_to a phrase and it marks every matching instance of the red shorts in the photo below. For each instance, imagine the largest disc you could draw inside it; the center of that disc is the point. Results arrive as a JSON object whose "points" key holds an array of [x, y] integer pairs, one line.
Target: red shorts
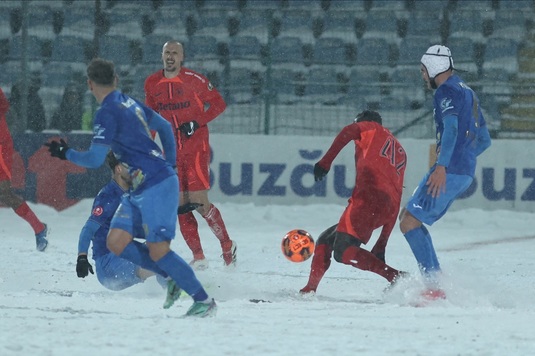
{"points": [[363, 215], [6, 161], [194, 171]]}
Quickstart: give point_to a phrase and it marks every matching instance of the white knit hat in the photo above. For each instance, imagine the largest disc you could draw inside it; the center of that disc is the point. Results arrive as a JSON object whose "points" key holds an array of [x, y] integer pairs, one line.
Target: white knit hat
{"points": [[437, 59]]}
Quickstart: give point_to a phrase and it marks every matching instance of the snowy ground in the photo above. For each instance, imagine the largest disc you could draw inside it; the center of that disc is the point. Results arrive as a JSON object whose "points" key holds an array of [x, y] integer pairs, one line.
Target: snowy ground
{"points": [[45, 309]]}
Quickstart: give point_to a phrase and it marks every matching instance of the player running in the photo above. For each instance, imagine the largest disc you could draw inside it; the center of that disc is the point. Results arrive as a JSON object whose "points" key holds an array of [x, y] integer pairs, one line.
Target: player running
{"points": [[380, 162], [123, 125]]}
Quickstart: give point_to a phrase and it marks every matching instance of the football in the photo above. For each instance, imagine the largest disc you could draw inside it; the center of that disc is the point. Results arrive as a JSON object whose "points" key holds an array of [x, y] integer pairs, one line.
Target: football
{"points": [[297, 245]]}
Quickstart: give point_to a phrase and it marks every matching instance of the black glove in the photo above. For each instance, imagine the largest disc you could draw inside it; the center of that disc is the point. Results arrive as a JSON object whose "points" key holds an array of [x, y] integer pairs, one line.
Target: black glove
{"points": [[58, 149], [186, 208], [188, 128], [83, 267], [319, 172]]}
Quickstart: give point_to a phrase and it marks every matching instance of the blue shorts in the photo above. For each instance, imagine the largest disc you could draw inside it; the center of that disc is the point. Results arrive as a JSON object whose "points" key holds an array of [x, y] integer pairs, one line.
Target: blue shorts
{"points": [[427, 209], [116, 273], [150, 214]]}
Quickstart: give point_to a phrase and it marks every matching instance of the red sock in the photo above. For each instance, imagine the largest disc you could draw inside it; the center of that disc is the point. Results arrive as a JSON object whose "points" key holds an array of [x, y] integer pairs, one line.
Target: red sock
{"points": [[27, 214], [215, 221], [365, 260], [189, 229], [320, 264]]}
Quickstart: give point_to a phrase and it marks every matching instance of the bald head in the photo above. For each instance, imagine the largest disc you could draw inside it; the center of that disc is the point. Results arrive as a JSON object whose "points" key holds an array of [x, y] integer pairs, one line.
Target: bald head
{"points": [[172, 58]]}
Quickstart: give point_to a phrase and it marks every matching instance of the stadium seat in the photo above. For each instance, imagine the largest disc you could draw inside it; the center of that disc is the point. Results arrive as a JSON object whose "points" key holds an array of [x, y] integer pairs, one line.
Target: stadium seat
{"points": [[330, 51], [212, 23], [56, 75], [501, 53], [373, 52], [67, 48], [340, 24], [425, 23], [203, 47], [466, 24], [239, 85], [364, 87], [322, 86], [116, 49], [463, 53], [287, 50], [255, 23], [509, 24], [350, 6], [244, 47], [283, 82], [381, 24], [297, 24], [408, 84], [33, 51]]}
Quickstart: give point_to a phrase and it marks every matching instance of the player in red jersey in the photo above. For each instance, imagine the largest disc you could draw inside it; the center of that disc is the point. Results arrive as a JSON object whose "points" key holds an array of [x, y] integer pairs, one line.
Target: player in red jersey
{"points": [[7, 196], [189, 102], [380, 162]]}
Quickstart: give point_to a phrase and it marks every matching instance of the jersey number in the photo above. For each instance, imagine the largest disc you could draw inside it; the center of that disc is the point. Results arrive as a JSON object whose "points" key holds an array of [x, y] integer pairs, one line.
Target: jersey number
{"points": [[397, 158]]}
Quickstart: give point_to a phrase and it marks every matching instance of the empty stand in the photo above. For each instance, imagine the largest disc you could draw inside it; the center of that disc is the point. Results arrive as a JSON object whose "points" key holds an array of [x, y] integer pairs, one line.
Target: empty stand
{"points": [[331, 51]]}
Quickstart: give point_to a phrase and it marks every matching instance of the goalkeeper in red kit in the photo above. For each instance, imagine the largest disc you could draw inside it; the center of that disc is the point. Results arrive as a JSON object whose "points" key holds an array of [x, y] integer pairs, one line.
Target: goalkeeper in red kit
{"points": [[375, 202], [189, 102]]}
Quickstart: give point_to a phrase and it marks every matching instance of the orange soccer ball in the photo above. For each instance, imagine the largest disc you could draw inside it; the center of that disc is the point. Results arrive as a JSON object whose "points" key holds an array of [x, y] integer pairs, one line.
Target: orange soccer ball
{"points": [[297, 245]]}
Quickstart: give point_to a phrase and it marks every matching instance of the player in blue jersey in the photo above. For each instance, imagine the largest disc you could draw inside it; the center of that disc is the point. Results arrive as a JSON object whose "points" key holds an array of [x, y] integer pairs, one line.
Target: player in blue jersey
{"points": [[461, 136], [124, 125], [113, 272]]}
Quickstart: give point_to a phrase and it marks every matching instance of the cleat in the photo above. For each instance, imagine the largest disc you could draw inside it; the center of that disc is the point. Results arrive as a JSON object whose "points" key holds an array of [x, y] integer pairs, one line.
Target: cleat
{"points": [[202, 310], [230, 256], [397, 280], [173, 293], [307, 291], [199, 265], [433, 294], [40, 239]]}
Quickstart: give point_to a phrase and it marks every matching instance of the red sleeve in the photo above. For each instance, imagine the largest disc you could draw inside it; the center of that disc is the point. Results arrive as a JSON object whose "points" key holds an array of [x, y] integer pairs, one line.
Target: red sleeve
{"points": [[149, 95], [4, 103], [348, 133], [208, 94]]}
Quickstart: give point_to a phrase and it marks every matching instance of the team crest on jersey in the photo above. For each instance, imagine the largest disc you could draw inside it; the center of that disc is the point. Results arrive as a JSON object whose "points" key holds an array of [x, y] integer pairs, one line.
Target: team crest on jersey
{"points": [[210, 86], [445, 104], [98, 211]]}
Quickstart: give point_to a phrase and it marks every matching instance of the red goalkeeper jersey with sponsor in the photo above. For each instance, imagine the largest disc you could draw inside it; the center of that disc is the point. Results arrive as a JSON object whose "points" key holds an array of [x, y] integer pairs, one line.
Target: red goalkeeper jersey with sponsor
{"points": [[5, 136], [379, 158], [187, 97]]}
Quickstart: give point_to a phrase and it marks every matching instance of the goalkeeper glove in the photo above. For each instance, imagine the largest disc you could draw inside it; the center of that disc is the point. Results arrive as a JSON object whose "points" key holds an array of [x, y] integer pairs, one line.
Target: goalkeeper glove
{"points": [[189, 128], [83, 267], [319, 172], [186, 208], [58, 149]]}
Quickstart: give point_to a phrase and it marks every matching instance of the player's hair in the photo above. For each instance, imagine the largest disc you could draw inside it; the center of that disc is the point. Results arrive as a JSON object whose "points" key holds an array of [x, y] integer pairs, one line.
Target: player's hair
{"points": [[369, 115], [101, 71], [112, 161]]}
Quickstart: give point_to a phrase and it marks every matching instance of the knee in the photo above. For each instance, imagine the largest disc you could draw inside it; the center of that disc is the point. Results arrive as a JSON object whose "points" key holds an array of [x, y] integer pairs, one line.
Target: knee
{"points": [[408, 222], [116, 243]]}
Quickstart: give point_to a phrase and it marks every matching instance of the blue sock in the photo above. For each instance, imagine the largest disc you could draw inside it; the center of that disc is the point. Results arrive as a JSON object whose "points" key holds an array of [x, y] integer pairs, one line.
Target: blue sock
{"points": [[183, 275], [422, 247], [138, 253], [434, 258]]}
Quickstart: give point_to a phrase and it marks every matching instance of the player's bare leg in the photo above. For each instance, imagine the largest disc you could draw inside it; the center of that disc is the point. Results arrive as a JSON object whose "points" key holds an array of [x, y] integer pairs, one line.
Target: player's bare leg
{"points": [[21, 208]]}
